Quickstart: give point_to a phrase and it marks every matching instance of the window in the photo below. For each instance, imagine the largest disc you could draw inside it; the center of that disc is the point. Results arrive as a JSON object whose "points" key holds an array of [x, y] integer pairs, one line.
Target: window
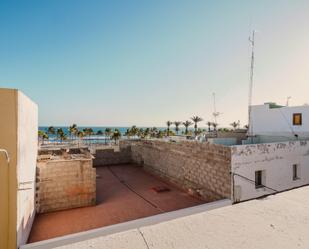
{"points": [[297, 119], [259, 179], [295, 172]]}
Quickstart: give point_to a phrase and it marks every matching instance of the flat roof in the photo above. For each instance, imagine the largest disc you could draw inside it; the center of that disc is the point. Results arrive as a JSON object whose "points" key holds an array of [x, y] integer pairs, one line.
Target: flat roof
{"points": [[124, 193], [277, 221]]}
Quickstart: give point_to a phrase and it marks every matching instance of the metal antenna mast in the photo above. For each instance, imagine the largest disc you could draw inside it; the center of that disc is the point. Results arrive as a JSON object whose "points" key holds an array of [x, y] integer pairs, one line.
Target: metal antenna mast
{"points": [[215, 113], [250, 125]]}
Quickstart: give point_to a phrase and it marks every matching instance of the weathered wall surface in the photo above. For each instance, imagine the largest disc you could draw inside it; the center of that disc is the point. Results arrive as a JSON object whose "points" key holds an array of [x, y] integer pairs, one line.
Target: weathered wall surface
{"points": [[18, 132], [111, 156], [8, 180], [26, 164], [199, 167], [65, 184], [276, 160]]}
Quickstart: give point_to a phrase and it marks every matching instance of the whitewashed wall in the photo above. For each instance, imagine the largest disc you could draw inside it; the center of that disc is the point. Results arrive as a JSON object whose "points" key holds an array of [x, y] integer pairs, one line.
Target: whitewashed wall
{"points": [[276, 159], [27, 130], [279, 121]]}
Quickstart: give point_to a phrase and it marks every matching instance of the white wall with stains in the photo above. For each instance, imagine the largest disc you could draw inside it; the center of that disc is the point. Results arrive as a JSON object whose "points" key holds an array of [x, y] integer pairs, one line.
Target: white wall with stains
{"points": [[27, 130], [279, 121], [276, 159]]}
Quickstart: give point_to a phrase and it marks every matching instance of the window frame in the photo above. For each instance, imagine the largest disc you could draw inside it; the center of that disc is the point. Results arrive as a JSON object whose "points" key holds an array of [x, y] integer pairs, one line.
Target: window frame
{"points": [[300, 119]]}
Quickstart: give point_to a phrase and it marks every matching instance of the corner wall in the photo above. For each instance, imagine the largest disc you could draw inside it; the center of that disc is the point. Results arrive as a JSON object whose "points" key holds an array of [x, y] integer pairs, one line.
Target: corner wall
{"points": [[18, 135], [65, 184], [200, 168]]}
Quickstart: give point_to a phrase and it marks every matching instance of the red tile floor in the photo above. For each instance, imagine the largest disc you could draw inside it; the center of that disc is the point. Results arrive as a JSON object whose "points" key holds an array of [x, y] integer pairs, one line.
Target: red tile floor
{"points": [[124, 193]]}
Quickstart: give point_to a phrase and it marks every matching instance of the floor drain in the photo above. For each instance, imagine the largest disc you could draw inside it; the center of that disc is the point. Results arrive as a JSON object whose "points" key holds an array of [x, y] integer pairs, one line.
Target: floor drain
{"points": [[160, 189]]}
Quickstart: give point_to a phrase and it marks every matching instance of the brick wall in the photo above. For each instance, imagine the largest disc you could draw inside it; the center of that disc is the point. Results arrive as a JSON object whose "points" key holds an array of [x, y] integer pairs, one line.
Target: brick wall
{"points": [[65, 184], [200, 168], [110, 156]]}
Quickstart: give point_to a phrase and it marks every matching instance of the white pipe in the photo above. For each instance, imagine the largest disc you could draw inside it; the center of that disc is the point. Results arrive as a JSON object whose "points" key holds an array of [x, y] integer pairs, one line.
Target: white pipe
{"points": [[6, 154]]}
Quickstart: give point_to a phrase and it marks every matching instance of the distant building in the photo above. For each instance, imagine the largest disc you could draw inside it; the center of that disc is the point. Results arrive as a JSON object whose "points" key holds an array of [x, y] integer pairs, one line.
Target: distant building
{"points": [[288, 122]]}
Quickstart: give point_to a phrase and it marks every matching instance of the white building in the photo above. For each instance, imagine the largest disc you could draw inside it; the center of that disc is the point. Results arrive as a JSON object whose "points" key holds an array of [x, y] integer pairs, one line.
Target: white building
{"points": [[277, 157], [280, 121], [263, 169]]}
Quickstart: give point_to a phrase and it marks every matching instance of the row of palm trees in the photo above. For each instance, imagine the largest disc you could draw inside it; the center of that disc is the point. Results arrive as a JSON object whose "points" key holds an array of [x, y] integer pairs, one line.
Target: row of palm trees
{"points": [[195, 120], [186, 124], [75, 133]]}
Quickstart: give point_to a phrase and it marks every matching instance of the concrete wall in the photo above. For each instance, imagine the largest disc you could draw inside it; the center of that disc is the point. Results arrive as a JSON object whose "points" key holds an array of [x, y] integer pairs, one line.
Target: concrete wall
{"points": [[65, 184], [18, 132], [26, 161], [279, 121], [110, 156], [276, 159], [200, 168]]}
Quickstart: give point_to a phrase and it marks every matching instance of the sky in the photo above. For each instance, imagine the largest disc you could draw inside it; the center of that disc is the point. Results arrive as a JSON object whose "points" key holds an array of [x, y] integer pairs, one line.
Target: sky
{"points": [[123, 63]]}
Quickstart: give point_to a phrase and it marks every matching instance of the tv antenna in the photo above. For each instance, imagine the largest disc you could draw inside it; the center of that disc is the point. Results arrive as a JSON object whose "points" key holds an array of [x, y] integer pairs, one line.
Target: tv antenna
{"points": [[215, 113], [250, 125], [288, 100]]}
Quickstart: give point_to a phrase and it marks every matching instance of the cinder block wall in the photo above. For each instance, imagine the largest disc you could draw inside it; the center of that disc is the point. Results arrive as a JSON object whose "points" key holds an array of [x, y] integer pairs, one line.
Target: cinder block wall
{"points": [[112, 156], [65, 184], [201, 168]]}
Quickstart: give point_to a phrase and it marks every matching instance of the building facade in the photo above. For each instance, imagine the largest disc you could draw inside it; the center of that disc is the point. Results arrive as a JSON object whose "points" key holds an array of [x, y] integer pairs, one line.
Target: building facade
{"points": [[280, 121]]}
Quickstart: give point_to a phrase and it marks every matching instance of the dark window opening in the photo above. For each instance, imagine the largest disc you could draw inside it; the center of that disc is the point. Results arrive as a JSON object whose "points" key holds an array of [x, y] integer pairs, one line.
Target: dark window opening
{"points": [[297, 119], [295, 172], [258, 179]]}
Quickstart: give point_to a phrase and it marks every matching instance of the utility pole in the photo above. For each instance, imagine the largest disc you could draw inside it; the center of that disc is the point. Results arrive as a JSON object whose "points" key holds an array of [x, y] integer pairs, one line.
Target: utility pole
{"points": [[215, 113], [250, 124]]}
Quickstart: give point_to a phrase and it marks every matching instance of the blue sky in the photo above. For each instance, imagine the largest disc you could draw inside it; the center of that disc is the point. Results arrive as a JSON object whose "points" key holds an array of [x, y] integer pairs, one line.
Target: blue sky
{"points": [[120, 63]]}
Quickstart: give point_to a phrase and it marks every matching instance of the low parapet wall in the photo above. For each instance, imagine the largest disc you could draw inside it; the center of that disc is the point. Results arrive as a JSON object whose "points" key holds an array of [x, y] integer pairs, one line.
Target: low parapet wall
{"points": [[64, 184], [112, 156], [200, 168]]}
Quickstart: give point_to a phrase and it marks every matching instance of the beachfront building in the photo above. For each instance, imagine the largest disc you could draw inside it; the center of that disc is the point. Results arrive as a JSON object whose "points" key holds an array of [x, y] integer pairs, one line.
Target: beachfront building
{"points": [[276, 157], [274, 122]]}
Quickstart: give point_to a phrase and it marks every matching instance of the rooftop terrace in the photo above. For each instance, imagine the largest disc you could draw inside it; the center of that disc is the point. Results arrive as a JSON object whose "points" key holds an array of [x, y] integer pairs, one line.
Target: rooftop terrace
{"points": [[124, 193]]}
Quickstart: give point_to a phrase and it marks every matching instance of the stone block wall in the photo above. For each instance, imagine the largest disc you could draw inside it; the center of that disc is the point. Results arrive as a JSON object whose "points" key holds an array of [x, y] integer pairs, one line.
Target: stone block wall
{"points": [[65, 184], [111, 156], [200, 168]]}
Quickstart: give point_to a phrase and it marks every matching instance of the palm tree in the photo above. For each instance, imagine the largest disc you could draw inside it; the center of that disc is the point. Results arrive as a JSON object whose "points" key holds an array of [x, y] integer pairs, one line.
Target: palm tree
{"points": [[128, 133], [40, 135], [88, 132], [51, 130], [116, 135], [186, 124], [63, 137], [146, 132], [153, 132], [108, 133], [209, 124], [80, 135], [99, 132], [234, 125], [215, 125], [196, 119], [45, 136], [168, 123], [134, 131], [177, 123], [72, 130], [141, 133], [60, 133]]}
